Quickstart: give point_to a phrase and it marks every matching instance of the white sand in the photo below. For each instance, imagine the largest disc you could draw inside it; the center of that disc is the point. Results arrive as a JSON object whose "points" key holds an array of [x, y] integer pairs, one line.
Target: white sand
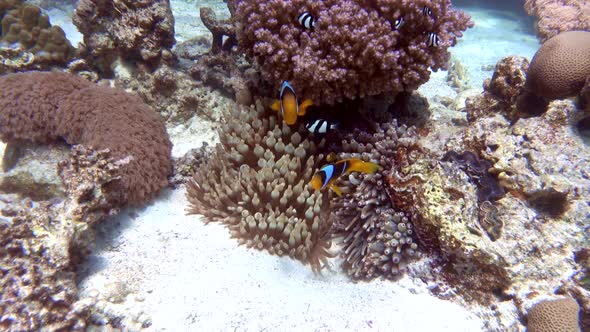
{"points": [[182, 275]]}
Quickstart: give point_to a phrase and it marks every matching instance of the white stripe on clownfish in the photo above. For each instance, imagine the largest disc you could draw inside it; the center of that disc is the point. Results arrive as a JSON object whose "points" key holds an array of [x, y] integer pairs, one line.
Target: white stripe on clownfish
{"points": [[399, 22]]}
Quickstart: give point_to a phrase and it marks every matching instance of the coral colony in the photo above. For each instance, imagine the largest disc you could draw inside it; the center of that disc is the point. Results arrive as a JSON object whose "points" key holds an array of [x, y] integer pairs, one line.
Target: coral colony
{"points": [[326, 151]]}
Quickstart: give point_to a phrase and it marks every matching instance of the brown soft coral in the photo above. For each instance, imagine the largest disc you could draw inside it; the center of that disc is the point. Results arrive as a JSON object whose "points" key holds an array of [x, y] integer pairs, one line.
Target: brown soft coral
{"points": [[47, 106]]}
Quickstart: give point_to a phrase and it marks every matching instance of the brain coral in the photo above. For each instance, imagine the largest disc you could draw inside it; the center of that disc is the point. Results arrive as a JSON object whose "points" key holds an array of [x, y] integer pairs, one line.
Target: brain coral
{"points": [[356, 49], [560, 67], [553, 316], [46, 106], [257, 183]]}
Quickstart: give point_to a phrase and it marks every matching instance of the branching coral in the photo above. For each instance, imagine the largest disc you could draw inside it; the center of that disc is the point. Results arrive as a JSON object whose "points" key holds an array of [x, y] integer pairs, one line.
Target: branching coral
{"points": [[47, 106], [257, 183], [357, 47]]}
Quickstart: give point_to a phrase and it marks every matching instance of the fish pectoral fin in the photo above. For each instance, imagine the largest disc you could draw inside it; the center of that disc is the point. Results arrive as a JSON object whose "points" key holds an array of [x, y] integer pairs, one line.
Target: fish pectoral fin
{"points": [[276, 106], [336, 189], [303, 106]]}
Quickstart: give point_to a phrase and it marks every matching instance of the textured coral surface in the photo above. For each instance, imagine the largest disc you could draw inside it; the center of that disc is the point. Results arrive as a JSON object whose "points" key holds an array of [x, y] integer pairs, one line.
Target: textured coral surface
{"points": [[556, 16], [355, 49], [136, 30], [47, 106]]}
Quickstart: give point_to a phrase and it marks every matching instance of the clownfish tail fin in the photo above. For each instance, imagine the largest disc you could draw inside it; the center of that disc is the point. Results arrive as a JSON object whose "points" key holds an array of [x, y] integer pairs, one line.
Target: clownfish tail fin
{"points": [[304, 105], [276, 106], [357, 165]]}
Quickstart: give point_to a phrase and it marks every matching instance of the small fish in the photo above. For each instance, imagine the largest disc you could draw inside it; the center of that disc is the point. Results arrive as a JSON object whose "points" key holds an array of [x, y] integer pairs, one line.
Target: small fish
{"points": [[427, 11], [432, 39], [288, 104], [328, 174], [399, 23], [306, 20], [320, 126]]}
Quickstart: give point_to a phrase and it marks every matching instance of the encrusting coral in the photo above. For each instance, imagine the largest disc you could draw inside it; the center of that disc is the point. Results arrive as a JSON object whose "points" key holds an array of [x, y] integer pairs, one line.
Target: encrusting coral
{"points": [[356, 48], [257, 183], [43, 107]]}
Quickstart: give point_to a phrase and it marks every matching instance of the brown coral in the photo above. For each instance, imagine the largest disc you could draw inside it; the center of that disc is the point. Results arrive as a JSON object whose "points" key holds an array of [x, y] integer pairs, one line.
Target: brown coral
{"points": [[47, 106], [560, 67], [552, 316], [556, 16], [136, 30], [501, 91], [257, 183]]}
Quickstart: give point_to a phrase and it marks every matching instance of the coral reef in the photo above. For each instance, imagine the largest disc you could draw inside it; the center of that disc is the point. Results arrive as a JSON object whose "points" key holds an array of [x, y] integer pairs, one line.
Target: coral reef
{"points": [[42, 107], [33, 39], [561, 66], [257, 183], [554, 315], [556, 16], [501, 91], [357, 48], [376, 234], [140, 31]]}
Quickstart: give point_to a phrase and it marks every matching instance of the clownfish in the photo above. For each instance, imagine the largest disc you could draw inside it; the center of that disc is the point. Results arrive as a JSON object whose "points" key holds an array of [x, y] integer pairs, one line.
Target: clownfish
{"points": [[306, 20], [328, 174], [288, 104]]}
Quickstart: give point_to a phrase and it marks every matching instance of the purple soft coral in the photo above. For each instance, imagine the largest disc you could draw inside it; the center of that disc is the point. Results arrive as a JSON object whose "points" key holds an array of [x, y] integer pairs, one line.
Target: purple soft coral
{"points": [[354, 49]]}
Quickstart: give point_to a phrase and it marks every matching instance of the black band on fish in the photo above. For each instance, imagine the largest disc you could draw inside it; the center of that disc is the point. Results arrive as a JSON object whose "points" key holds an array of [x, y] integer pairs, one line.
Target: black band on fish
{"points": [[320, 126], [399, 23], [427, 11], [432, 39]]}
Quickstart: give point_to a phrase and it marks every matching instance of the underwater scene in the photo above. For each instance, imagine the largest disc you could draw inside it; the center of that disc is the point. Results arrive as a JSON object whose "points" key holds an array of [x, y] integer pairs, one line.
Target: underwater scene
{"points": [[295, 165]]}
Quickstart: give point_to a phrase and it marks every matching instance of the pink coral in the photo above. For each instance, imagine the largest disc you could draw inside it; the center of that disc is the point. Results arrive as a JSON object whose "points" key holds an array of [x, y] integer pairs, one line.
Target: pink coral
{"points": [[555, 16], [355, 49]]}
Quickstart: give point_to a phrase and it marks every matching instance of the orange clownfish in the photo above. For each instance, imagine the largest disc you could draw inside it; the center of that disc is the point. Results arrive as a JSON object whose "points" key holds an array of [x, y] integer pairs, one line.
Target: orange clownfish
{"points": [[328, 174], [288, 104]]}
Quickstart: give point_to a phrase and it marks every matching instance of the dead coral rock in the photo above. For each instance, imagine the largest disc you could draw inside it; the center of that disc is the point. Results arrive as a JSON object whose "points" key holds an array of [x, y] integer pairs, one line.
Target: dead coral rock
{"points": [[187, 165], [47, 106], [38, 288], [501, 91], [34, 171], [25, 25], [231, 73], [172, 93], [561, 66], [219, 29], [257, 183], [136, 30], [555, 315]]}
